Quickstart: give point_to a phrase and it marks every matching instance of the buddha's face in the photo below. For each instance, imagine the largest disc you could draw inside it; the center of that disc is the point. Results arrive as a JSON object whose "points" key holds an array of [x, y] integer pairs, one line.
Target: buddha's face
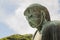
{"points": [[36, 14], [34, 18]]}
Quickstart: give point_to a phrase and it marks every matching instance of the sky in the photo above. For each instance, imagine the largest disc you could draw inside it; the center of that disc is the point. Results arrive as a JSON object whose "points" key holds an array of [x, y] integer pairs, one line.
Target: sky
{"points": [[12, 19]]}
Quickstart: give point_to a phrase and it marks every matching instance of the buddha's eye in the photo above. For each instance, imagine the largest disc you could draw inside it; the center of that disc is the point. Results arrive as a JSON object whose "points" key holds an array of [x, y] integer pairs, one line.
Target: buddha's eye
{"points": [[36, 16], [30, 16]]}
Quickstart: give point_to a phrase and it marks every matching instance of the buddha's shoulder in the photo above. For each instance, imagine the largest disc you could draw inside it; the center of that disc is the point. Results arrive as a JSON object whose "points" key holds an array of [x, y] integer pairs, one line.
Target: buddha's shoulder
{"points": [[52, 23]]}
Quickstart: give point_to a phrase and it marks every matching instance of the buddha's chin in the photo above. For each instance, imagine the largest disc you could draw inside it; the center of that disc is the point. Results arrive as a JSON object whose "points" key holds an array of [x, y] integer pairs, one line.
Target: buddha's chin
{"points": [[32, 25]]}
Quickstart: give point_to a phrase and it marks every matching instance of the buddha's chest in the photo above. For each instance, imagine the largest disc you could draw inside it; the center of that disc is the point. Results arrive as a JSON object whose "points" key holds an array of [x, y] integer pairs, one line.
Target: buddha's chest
{"points": [[38, 36]]}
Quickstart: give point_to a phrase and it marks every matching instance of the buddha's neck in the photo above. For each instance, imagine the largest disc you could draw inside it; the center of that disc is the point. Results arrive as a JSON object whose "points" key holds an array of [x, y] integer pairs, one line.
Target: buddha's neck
{"points": [[40, 27]]}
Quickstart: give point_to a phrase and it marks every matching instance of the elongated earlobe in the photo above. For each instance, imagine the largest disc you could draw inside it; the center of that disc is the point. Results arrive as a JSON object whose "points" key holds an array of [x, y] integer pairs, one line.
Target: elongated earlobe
{"points": [[43, 13]]}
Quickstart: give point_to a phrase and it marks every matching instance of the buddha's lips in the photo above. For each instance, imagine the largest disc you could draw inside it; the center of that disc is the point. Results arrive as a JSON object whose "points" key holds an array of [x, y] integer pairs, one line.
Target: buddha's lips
{"points": [[32, 24]]}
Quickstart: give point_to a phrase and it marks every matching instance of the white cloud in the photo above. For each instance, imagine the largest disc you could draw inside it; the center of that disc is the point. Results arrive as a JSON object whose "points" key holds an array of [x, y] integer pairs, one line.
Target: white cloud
{"points": [[7, 8], [19, 24]]}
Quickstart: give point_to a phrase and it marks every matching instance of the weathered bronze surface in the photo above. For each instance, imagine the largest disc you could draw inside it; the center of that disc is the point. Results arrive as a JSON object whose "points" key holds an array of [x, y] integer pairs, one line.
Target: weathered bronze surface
{"points": [[38, 17]]}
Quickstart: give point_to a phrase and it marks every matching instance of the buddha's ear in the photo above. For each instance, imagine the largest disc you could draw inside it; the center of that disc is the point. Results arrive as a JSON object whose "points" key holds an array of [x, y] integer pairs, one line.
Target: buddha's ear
{"points": [[43, 14]]}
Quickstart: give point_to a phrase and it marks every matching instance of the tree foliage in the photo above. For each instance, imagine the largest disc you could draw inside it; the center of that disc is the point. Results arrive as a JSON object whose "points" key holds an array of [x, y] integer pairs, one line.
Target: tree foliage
{"points": [[18, 37]]}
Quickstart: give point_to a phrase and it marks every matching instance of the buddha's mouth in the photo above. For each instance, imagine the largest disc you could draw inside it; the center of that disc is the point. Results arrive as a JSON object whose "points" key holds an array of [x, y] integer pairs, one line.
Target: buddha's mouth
{"points": [[32, 24]]}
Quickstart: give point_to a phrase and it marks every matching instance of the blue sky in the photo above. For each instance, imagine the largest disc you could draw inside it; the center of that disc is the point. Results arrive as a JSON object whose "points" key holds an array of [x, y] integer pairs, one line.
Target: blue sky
{"points": [[4, 30], [6, 9], [12, 20]]}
